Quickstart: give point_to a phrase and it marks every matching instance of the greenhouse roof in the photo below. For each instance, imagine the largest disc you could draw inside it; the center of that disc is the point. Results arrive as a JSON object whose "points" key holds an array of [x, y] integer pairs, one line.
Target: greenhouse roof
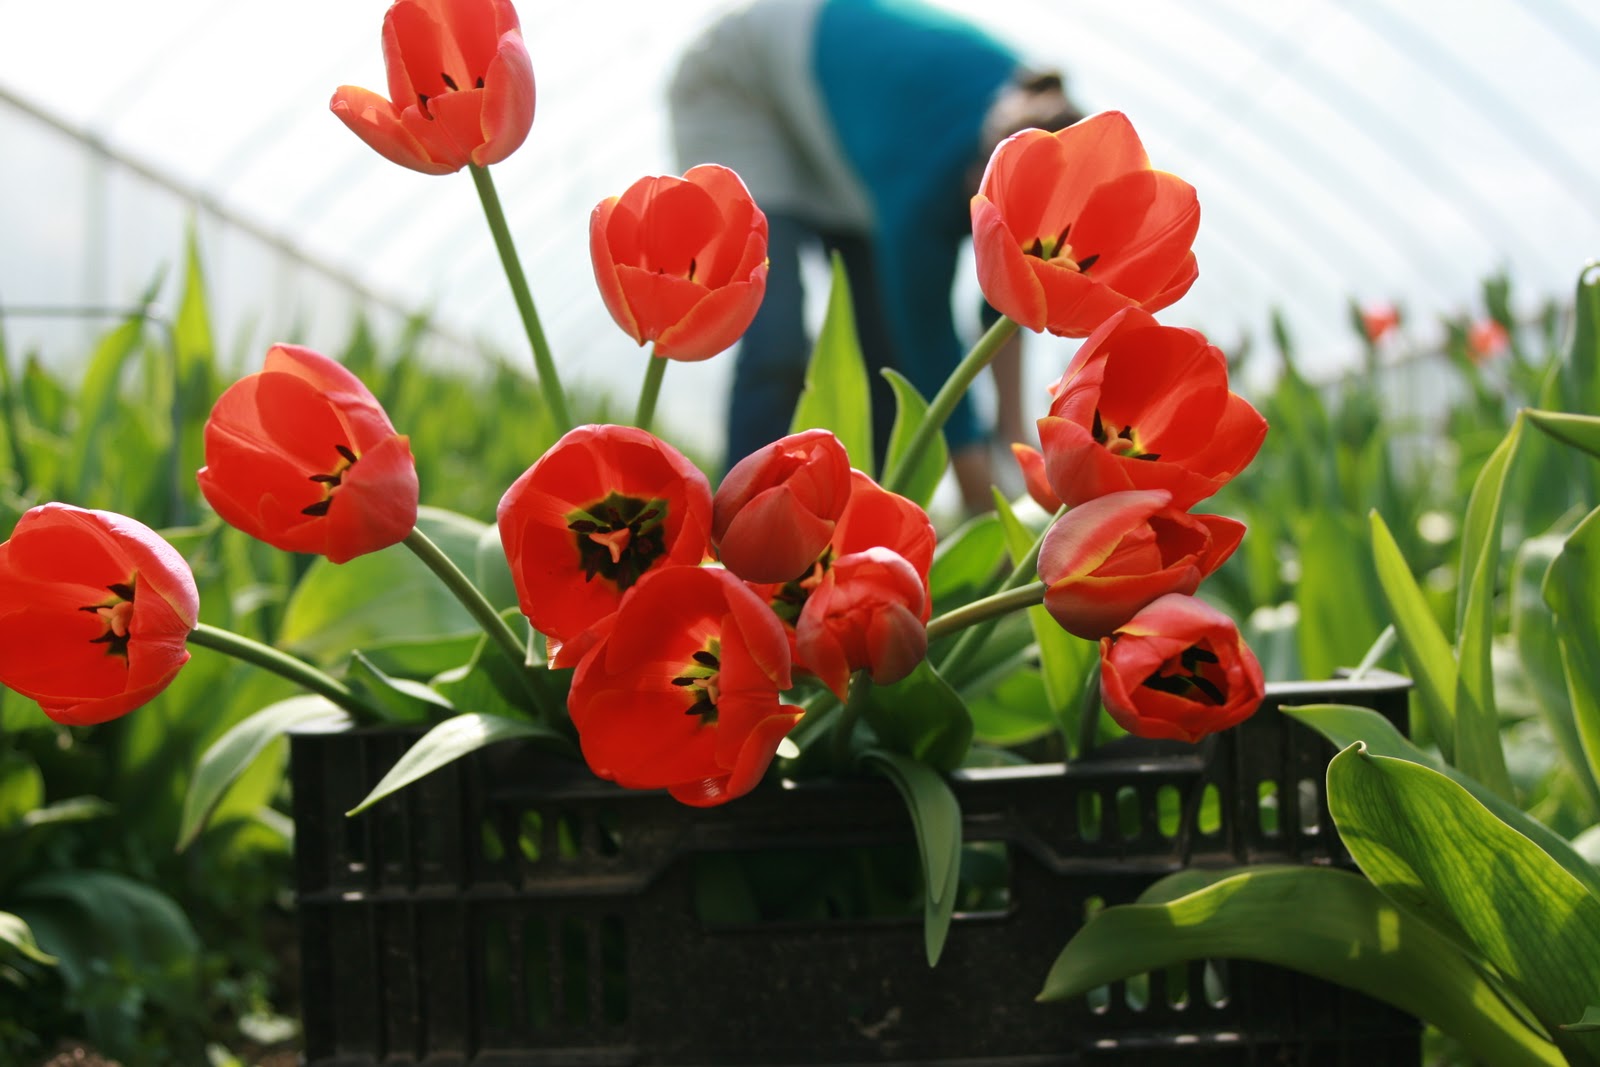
{"points": [[1372, 149]]}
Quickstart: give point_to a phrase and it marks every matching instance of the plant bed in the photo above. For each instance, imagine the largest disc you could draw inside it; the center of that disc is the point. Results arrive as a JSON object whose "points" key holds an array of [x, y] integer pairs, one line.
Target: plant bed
{"points": [[512, 909]]}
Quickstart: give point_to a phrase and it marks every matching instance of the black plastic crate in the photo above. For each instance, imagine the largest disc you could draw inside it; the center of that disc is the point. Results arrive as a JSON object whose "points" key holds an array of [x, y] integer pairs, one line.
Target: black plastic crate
{"points": [[512, 909]]}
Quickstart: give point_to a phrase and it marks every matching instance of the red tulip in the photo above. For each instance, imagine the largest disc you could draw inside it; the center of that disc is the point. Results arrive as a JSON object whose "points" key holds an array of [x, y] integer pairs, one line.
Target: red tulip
{"points": [[1486, 339], [869, 611], [1379, 320], [95, 609], [460, 86], [602, 507], [1179, 669], [877, 518], [681, 690], [774, 512], [1109, 557], [1145, 406], [1070, 227], [681, 261], [303, 457], [1031, 462]]}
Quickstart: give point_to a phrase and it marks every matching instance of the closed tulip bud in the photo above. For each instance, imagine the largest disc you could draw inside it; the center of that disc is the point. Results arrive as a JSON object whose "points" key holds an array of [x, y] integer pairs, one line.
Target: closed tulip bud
{"points": [[775, 511]]}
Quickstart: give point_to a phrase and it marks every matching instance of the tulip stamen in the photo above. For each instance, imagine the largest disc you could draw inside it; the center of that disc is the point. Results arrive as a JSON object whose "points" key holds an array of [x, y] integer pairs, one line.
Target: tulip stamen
{"points": [[330, 482], [619, 538], [1119, 441], [699, 678], [422, 102], [449, 82], [1195, 674], [117, 613], [1058, 252]]}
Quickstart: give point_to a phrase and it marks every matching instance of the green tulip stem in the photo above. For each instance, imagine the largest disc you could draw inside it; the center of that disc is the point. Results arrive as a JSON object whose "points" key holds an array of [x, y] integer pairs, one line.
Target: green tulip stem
{"points": [[944, 402], [549, 383], [990, 607], [1090, 708], [653, 373], [844, 727], [973, 637], [282, 664], [470, 596]]}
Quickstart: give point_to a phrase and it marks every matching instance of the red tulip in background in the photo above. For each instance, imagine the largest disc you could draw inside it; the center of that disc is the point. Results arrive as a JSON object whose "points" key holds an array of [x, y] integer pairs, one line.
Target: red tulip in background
{"points": [[1145, 406], [1179, 669], [869, 611], [1379, 320], [1072, 226], [95, 609], [775, 511], [303, 457], [460, 86], [581, 526], [680, 691], [681, 261], [1486, 339], [1109, 557], [1031, 462]]}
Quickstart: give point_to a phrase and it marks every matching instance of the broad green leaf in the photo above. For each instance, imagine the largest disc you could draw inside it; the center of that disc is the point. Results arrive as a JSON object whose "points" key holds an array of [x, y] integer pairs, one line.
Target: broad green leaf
{"points": [[381, 596], [1321, 921], [1064, 660], [1344, 724], [194, 362], [911, 409], [15, 935], [72, 809], [130, 919], [399, 699], [14, 414], [489, 682], [837, 395], [1423, 644], [968, 560], [1582, 368], [1572, 590], [1014, 710], [936, 819], [1477, 748], [1538, 645], [97, 403], [21, 788], [1589, 1023], [921, 717], [237, 749], [448, 742], [492, 571], [1435, 851], [1580, 431]]}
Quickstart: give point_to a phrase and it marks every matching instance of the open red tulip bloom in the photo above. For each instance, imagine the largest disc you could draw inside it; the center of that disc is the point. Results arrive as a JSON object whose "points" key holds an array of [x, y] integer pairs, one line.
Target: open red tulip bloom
{"points": [[680, 691], [1179, 669], [1109, 557], [303, 457], [602, 507], [460, 86], [1145, 406], [95, 609], [1072, 226], [775, 511], [681, 261]]}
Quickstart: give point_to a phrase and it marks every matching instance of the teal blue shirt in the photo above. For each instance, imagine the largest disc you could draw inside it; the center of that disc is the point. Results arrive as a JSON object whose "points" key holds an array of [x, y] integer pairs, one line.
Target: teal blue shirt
{"points": [[907, 87]]}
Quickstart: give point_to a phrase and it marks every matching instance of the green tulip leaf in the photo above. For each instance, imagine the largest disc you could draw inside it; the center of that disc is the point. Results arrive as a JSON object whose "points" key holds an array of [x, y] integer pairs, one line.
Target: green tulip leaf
{"points": [[1582, 366], [936, 820], [911, 410], [1423, 645], [967, 560], [922, 717], [492, 571], [448, 742], [1340, 604], [1477, 746], [398, 699], [382, 596], [1324, 922], [1344, 725], [1572, 590], [837, 395], [1437, 852], [15, 936], [1064, 660], [1580, 431], [236, 750], [1588, 1024]]}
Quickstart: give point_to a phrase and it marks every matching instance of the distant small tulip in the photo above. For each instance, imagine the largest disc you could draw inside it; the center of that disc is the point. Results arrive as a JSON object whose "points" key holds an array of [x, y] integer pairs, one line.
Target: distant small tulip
{"points": [[302, 456], [775, 510], [460, 86], [1487, 339], [1180, 670], [681, 261], [1072, 226], [95, 610], [1378, 321]]}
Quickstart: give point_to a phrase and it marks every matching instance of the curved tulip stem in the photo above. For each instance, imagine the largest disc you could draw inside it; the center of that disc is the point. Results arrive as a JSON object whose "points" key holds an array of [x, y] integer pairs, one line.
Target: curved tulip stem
{"points": [[989, 607], [1090, 708], [972, 639], [944, 402], [653, 373], [470, 596], [549, 383], [282, 664]]}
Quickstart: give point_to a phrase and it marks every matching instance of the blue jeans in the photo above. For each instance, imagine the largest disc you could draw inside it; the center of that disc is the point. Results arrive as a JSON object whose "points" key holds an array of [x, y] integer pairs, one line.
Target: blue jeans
{"points": [[770, 367]]}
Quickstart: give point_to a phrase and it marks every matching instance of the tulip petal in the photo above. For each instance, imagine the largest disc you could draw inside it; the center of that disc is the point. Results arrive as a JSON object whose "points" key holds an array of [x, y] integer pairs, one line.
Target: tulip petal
{"points": [[375, 120]]}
